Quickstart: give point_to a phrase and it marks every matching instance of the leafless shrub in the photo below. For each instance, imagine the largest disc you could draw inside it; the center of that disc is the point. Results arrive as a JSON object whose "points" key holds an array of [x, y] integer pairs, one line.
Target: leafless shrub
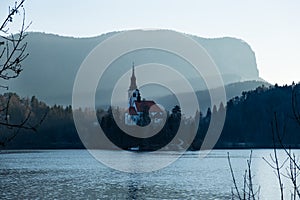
{"points": [[12, 54], [248, 191]]}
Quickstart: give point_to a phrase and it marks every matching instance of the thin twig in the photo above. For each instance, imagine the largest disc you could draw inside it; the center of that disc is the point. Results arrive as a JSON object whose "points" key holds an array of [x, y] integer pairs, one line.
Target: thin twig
{"points": [[233, 177]]}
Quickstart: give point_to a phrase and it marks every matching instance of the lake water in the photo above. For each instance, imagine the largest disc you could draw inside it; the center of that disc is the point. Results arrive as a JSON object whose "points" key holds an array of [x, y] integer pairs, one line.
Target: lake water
{"points": [[75, 174]]}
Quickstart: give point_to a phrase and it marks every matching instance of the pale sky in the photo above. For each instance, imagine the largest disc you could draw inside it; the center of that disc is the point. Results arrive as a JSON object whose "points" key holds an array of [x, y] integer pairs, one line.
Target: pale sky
{"points": [[270, 27]]}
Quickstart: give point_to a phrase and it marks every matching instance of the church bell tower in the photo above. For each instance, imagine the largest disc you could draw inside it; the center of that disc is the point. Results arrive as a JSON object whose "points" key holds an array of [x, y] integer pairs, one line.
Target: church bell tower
{"points": [[132, 86]]}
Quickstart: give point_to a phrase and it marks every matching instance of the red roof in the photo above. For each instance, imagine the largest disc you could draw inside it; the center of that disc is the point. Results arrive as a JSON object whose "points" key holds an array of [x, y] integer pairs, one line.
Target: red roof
{"points": [[147, 105], [132, 111]]}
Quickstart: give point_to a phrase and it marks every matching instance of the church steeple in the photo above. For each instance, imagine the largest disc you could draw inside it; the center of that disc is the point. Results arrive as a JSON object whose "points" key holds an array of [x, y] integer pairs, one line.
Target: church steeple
{"points": [[133, 80]]}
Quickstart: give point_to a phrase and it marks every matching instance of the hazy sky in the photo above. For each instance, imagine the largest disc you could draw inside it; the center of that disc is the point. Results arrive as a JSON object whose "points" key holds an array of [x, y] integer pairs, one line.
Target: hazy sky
{"points": [[271, 27]]}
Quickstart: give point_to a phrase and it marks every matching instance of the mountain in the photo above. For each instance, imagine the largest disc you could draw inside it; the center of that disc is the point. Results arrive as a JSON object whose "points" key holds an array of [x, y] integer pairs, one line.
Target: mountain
{"points": [[234, 57], [50, 70]]}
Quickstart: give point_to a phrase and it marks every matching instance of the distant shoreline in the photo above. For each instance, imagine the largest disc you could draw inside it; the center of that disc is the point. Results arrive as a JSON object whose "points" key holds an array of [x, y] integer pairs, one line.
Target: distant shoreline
{"points": [[37, 150]]}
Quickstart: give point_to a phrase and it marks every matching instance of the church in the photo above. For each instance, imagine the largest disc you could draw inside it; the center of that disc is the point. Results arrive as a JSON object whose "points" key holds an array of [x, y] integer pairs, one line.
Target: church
{"points": [[139, 110]]}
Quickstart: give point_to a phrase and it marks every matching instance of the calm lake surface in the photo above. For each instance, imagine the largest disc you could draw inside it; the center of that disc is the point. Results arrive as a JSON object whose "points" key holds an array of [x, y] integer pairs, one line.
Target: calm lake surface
{"points": [[75, 174]]}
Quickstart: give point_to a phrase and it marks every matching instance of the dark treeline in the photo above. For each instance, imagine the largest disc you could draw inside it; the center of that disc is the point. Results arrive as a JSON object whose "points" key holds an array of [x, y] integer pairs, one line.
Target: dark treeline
{"points": [[56, 131], [249, 118], [247, 125]]}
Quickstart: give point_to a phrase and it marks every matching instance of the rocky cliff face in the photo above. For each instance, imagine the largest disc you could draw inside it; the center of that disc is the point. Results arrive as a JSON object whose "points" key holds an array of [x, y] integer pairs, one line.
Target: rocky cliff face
{"points": [[234, 57], [51, 67]]}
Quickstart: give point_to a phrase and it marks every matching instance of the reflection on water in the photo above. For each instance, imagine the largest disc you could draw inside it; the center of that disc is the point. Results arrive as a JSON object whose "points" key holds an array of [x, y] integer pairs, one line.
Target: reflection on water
{"points": [[74, 174]]}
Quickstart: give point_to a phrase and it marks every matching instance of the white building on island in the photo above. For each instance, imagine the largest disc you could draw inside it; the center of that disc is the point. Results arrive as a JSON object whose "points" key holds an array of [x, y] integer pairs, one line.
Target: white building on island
{"points": [[138, 108]]}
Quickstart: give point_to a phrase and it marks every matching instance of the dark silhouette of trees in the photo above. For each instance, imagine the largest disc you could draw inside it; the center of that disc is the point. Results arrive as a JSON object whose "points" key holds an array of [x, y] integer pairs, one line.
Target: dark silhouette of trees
{"points": [[176, 112], [247, 123], [287, 168], [145, 118], [12, 54]]}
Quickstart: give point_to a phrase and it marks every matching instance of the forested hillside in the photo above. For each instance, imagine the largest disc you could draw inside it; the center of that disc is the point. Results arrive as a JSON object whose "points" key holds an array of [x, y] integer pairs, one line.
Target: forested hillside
{"points": [[248, 124]]}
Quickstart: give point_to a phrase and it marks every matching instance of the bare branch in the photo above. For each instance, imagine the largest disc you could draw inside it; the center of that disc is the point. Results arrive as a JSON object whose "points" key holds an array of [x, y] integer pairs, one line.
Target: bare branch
{"points": [[15, 50], [24, 125], [248, 187], [12, 54], [233, 177]]}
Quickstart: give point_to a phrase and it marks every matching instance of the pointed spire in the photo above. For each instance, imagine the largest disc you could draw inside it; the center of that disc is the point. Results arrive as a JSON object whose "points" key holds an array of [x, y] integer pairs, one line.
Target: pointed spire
{"points": [[133, 75], [133, 79], [133, 69]]}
